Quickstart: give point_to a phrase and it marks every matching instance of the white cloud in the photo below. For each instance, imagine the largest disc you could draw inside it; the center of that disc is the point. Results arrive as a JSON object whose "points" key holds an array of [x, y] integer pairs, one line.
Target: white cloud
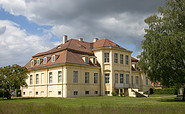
{"points": [[16, 47]]}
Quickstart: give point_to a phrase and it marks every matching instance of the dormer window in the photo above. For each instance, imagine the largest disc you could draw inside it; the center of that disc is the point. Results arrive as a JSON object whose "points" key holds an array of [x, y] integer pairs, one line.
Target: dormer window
{"points": [[53, 58], [45, 60], [32, 62], [94, 60], [87, 59], [38, 61]]}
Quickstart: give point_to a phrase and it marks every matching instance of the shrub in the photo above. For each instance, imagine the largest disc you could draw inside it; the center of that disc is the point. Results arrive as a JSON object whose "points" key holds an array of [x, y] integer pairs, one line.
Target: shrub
{"points": [[151, 91], [165, 91], [114, 94], [121, 93]]}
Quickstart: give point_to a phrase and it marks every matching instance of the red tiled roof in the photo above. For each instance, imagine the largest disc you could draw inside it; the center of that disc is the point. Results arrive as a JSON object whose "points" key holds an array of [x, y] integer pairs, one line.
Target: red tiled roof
{"points": [[72, 51]]}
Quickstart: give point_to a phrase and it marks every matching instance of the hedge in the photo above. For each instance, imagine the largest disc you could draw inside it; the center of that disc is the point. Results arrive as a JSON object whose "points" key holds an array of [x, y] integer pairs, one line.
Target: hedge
{"points": [[171, 91]]}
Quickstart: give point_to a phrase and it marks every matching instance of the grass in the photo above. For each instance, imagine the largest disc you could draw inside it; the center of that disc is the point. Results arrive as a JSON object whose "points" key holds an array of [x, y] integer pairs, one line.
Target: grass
{"points": [[91, 105]]}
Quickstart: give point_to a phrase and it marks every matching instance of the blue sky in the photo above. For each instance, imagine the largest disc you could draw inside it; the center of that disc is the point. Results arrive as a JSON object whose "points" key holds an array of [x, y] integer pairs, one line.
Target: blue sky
{"points": [[31, 26]]}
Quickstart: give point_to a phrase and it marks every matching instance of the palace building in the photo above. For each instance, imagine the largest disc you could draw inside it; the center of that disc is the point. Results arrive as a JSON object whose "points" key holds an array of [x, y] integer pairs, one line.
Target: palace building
{"points": [[78, 68]]}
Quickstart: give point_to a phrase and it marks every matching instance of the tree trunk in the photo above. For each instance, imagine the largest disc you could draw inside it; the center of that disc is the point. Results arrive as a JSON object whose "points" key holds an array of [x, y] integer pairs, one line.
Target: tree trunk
{"points": [[183, 98]]}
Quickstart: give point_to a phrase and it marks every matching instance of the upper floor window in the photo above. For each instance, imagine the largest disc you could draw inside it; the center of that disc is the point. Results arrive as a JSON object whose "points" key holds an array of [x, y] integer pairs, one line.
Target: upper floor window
{"points": [[45, 60], [106, 78], [116, 78], [75, 76], [37, 78], [53, 58], [32, 63], [87, 59], [38, 61], [59, 76], [50, 77], [146, 81], [121, 78], [127, 79], [94, 60], [95, 78], [86, 77], [106, 57], [115, 58], [121, 58], [31, 80], [126, 59], [135, 65]]}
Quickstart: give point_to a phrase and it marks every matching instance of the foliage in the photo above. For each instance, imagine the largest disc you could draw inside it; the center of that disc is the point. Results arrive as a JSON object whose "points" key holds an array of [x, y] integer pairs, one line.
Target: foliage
{"points": [[12, 77], [151, 90], [114, 94], [163, 56], [18, 93], [171, 91], [121, 93], [93, 105]]}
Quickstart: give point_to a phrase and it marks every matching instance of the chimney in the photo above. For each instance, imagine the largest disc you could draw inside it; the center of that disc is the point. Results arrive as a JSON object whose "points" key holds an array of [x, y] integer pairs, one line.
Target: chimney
{"points": [[80, 39], [95, 39], [64, 39]]}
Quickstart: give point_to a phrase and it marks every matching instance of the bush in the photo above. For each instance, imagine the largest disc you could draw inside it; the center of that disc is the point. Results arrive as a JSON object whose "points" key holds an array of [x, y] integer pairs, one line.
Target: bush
{"points": [[18, 93], [114, 94], [3, 93], [151, 91], [165, 91], [121, 93]]}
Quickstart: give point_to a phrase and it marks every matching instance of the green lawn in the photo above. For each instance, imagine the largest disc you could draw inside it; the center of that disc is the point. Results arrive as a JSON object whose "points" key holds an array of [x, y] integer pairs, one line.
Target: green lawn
{"points": [[93, 105]]}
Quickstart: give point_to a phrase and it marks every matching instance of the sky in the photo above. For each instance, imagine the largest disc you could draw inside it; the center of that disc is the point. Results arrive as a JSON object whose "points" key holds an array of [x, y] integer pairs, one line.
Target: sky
{"points": [[28, 27]]}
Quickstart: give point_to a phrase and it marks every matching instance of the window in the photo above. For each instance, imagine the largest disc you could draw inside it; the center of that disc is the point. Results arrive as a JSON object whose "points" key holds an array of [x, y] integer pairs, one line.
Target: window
{"points": [[106, 78], [95, 78], [59, 92], [45, 60], [37, 92], [95, 92], [116, 78], [59, 76], [31, 80], [127, 79], [37, 78], [32, 62], [38, 61], [94, 60], [87, 59], [146, 81], [135, 66], [86, 92], [106, 57], [24, 93], [50, 77], [121, 58], [121, 78], [53, 58], [75, 92], [126, 59], [137, 80], [107, 92], [75, 76], [115, 58], [86, 77]]}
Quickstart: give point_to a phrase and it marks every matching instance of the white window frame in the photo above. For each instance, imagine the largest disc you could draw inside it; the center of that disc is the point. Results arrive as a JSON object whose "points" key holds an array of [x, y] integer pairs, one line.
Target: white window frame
{"points": [[95, 78], [45, 60], [50, 77], [87, 59], [115, 57], [32, 63], [75, 76], [37, 78], [121, 58], [53, 58], [106, 57], [107, 76], [31, 79], [38, 61], [86, 77], [59, 76]]}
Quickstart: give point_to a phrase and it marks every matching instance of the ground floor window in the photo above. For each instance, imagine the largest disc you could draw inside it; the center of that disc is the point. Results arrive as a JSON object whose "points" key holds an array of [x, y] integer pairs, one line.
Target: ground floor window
{"points": [[86, 92], [59, 92], [95, 92], [37, 93], [75, 92], [23, 93], [107, 92]]}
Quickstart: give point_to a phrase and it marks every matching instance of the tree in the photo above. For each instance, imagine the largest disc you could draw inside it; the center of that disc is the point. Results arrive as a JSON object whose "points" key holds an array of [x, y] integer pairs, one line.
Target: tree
{"points": [[12, 77], [163, 55]]}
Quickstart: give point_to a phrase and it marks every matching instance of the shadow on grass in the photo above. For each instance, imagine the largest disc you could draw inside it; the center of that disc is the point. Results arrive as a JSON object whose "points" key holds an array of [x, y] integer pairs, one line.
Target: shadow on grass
{"points": [[171, 100], [20, 98]]}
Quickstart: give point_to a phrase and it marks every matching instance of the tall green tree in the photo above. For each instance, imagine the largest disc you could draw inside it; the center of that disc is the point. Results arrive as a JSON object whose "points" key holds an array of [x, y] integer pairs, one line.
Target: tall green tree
{"points": [[163, 55], [12, 77]]}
